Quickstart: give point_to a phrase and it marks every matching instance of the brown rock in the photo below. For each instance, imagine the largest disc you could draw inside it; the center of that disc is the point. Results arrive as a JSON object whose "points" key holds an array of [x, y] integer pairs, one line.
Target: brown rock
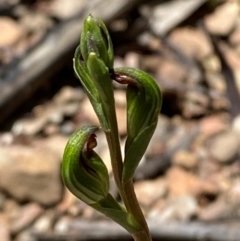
{"points": [[65, 103], [62, 225], [192, 42], [235, 37], [63, 9], [150, 63], [25, 235], [27, 214], [11, 32], [170, 70], [224, 18], [216, 81], [181, 208], [211, 64], [68, 94], [132, 60], [225, 146], [67, 201], [149, 192], [182, 182], [232, 57], [120, 103], [4, 228], [31, 173], [216, 210], [44, 223], [212, 125], [185, 159], [54, 143], [87, 114], [195, 104]]}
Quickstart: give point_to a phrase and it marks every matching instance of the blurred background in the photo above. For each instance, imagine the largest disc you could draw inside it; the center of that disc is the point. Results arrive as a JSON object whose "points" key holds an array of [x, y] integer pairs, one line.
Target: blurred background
{"points": [[188, 183]]}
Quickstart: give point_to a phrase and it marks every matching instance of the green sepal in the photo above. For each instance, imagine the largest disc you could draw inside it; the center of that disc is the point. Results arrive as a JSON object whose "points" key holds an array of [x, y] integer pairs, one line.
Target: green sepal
{"points": [[95, 39], [83, 171]]}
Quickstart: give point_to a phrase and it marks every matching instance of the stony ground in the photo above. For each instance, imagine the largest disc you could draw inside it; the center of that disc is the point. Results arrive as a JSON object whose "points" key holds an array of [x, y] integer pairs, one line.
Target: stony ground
{"points": [[191, 170]]}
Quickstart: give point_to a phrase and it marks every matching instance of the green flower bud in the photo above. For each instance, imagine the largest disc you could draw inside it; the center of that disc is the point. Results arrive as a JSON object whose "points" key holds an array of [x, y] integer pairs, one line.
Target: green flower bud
{"points": [[86, 176], [95, 39], [143, 107]]}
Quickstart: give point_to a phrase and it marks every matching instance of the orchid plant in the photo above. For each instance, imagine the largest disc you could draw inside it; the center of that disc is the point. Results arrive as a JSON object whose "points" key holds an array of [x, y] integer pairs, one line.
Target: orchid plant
{"points": [[83, 171]]}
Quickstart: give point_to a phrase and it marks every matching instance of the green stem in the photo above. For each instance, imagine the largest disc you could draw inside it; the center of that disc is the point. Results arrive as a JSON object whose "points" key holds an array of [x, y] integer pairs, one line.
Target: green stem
{"points": [[135, 210], [141, 236], [126, 190]]}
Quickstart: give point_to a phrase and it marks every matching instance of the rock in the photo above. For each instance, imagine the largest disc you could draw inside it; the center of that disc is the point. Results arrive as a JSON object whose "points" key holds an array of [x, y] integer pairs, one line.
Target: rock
{"points": [[11, 32], [192, 42], [216, 211], [214, 124], [216, 81], [186, 159], [26, 216], [54, 143], [69, 94], [2, 200], [25, 235], [63, 9], [150, 63], [62, 225], [223, 19], [120, 103], [34, 21], [234, 38], [67, 201], [148, 192], [212, 65], [65, 103], [195, 104], [44, 223], [236, 124], [234, 192], [31, 173], [86, 113], [132, 60], [4, 228], [225, 146], [182, 182], [161, 135], [170, 70], [181, 208], [29, 126], [67, 128], [232, 58], [166, 15]]}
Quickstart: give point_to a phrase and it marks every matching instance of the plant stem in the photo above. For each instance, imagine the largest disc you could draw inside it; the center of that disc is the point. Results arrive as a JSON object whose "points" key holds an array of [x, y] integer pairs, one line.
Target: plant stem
{"points": [[135, 209], [126, 190], [141, 236]]}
